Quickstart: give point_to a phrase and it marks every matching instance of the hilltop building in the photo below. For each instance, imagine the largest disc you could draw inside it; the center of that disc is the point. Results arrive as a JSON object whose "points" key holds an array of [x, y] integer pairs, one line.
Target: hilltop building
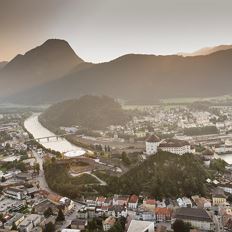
{"points": [[152, 144], [176, 146]]}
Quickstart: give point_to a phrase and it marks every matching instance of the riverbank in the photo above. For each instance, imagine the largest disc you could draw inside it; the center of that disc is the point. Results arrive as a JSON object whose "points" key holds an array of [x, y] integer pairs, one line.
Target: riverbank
{"points": [[37, 130]]}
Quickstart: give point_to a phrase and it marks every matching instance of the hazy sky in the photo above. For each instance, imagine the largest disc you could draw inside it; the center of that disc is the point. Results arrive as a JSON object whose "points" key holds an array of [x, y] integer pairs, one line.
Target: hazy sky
{"points": [[100, 30]]}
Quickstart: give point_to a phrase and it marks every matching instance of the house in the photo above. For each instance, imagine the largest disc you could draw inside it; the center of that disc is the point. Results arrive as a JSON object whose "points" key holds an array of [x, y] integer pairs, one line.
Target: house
{"points": [[201, 202], [16, 219], [14, 193], [198, 218], [117, 211], [133, 202], [91, 201], [100, 201], [120, 200], [141, 226], [30, 222], [175, 146], [67, 204], [152, 144], [218, 199], [149, 204], [108, 223], [226, 187], [163, 214], [43, 205], [108, 201], [184, 202], [79, 224], [82, 213], [144, 215], [54, 198]]}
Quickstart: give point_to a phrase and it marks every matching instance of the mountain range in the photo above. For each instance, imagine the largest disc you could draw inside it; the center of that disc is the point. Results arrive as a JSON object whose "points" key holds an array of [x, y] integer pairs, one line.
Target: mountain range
{"points": [[207, 51], [2, 64], [52, 72]]}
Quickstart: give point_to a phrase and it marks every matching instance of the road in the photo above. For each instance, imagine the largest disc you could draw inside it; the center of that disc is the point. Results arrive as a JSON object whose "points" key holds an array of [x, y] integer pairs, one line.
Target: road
{"points": [[100, 180], [41, 177]]}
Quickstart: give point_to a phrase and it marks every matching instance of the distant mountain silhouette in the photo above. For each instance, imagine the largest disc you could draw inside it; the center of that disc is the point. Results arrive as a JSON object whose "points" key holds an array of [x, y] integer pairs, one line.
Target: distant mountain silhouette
{"points": [[50, 61], [207, 51], [139, 79], [2, 64]]}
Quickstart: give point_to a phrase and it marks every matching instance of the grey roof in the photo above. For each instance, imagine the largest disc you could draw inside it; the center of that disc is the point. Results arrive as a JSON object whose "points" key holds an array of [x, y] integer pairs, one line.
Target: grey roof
{"points": [[192, 214]]}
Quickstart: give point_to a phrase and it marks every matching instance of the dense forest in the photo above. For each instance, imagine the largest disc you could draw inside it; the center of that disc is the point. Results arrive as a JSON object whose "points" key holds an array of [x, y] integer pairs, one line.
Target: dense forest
{"points": [[163, 174], [93, 112], [60, 181]]}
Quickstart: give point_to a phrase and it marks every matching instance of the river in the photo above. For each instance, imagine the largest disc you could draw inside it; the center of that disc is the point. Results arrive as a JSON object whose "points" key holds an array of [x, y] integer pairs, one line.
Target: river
{"points": [[226, 157], [33, 125]]}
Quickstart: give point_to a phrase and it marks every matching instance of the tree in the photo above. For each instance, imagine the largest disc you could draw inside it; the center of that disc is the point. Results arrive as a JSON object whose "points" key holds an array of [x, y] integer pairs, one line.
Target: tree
{"points": [[36, 167], [48, 212], [50, 227], [125, 159], [60, 216], [180, 226], [229, 198], [14, 227], [218, 165], [3, 179]]}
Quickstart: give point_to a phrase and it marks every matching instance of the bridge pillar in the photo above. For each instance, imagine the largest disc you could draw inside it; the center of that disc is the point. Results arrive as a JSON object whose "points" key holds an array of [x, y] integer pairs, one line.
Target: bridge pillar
{"points": [[47, 139]]}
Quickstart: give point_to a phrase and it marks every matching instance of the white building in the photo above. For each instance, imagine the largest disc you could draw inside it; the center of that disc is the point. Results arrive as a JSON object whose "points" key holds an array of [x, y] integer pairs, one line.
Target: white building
{"points": [[175, 146], [184, 202], [152, 145], [133, 202]]}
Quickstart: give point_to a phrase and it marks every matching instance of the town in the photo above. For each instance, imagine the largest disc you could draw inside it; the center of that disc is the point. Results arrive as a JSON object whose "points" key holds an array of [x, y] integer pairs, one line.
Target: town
{"points": [[29, 202]]}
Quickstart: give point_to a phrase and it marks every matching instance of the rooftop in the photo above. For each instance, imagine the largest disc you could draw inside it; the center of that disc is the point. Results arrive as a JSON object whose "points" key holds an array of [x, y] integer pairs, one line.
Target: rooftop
{"points": [[138, 226], [192, 214], [153, 139], [173, 143]]}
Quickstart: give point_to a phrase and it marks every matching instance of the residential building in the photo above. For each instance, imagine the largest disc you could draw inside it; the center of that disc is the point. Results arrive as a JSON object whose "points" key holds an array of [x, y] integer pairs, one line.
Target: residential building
{"points": [[108, 223], [219, 199], [30, 222], [14, 193], [149, 204], [16, 219], [133, 202], [163, 214]]}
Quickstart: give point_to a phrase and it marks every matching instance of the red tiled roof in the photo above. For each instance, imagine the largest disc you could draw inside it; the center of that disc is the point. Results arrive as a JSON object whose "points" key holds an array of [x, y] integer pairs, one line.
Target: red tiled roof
{"points": [[100, 199], [163, 211], [133, 199], [150, 201]]}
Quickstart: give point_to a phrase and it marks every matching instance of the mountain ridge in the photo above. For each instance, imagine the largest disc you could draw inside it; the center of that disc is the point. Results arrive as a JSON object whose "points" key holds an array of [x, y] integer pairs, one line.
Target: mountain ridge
{"points": [[206, 50], [49, 61], [138, 78]]}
